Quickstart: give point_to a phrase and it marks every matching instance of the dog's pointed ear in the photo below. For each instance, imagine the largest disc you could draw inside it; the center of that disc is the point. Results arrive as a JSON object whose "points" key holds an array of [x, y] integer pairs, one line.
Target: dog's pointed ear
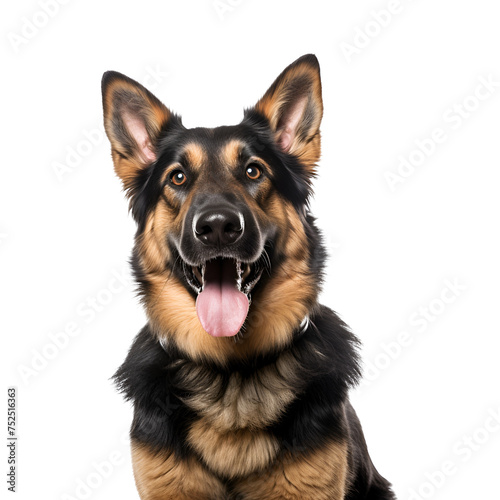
{"points": [[294, 107], [133, 120]]}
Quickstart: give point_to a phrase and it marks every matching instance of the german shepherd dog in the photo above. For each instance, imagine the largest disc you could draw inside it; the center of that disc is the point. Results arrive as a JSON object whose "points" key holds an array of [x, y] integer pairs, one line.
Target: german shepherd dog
{"points": [[240, 379]]}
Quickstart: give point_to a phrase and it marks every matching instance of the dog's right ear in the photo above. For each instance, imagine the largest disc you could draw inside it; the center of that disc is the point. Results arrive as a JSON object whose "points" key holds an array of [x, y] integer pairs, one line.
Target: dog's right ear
{"points": [[133, 120]]}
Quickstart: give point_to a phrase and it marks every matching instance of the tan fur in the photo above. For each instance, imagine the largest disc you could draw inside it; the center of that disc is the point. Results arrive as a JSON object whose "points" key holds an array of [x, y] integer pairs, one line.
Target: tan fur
{"points": [[172, 313], [282, 304], [230, 153], [196, 155], [234, 453], [126, 168], [310, 155], [163, 476], [152, 242], [318, 475]]}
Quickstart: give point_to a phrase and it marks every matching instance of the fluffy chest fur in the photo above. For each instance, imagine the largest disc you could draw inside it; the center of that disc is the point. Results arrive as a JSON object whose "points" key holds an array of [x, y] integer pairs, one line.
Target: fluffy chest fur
{"points": [[246, 399]]}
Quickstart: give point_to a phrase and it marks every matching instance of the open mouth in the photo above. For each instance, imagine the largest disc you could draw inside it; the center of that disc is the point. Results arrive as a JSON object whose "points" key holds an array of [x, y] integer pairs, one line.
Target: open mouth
{"points": [[223, 288]]}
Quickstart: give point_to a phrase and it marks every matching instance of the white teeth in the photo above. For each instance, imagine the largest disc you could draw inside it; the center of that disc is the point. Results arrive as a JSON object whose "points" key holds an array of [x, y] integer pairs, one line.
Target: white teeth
{"points": [[247, 271], [193, 284], [196, 278], [199, 275], [202, 273], [248, 287], [239, 275]]}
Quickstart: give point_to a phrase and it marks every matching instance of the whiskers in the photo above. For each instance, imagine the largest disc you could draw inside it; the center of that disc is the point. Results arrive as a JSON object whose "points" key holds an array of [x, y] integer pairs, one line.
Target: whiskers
{"points": [[266, 260]]}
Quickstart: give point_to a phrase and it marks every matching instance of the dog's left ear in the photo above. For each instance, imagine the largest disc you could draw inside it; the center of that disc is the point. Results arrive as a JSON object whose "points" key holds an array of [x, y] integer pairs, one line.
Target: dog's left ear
{"points": [[294, 107]]}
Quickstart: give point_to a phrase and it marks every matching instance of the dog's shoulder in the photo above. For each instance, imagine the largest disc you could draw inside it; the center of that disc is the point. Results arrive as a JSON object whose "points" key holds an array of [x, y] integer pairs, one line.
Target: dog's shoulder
{"points": [[329, 361], [144, 365], [160, 418], [330, 349]]}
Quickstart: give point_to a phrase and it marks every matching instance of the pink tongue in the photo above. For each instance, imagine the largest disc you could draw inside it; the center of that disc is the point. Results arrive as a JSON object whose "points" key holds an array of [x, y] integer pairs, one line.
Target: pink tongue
{"points": [[221, 307]]}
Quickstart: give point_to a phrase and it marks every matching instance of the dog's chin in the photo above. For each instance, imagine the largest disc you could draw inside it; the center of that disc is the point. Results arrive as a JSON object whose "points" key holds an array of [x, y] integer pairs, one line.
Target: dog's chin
{"points": [[223, 288]]}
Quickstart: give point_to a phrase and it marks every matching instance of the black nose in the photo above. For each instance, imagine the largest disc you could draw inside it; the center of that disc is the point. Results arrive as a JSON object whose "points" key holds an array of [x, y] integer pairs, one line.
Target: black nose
{"points": [[219, 227]]}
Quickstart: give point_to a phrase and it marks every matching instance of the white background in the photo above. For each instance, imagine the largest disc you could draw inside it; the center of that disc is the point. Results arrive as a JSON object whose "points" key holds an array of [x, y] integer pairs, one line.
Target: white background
{"points": [[64, 237]]}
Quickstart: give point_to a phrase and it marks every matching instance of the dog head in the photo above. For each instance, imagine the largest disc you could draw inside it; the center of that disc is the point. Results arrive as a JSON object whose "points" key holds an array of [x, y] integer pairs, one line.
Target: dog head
{"points": [[225, 246]]}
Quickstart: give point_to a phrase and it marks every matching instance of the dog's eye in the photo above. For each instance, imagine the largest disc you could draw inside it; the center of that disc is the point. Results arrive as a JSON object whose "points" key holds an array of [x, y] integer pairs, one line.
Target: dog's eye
{"points": [[253, 172], [178, 177]]}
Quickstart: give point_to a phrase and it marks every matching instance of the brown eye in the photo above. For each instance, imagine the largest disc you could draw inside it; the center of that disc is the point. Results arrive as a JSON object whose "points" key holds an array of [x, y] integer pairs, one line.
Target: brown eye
{"points": [[253, 172], [178, 177]]}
